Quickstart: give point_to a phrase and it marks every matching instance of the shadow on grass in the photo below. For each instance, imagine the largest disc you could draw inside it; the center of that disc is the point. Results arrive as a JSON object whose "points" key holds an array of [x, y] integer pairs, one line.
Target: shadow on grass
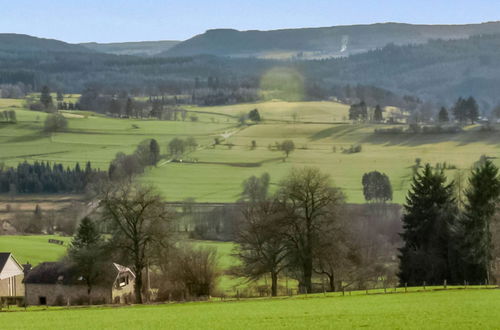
{"points": [[28, 138], [335, 132], [409, 139], [240, 164]]}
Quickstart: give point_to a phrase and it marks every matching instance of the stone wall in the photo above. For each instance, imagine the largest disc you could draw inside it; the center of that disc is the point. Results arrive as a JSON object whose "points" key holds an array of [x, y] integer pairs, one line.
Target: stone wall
{"points": [[58, 294]]}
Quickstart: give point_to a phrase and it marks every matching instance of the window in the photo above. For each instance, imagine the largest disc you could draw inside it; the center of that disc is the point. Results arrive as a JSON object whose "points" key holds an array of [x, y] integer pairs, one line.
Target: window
{"points": [[42, 300], [123, 280]]}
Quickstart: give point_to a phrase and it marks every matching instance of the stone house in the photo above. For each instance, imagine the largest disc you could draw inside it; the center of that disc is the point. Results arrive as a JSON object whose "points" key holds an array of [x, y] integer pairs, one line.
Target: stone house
{"points": [[11, 276], [58, 283]]}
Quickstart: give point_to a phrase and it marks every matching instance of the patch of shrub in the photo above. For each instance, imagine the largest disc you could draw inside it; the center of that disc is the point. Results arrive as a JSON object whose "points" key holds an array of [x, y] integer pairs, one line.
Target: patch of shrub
{"points": [[353, 149], [391, 130], [55, 123]]}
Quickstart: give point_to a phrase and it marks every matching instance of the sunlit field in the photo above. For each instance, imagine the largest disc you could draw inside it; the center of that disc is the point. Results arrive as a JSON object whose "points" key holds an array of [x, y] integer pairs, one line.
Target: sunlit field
{"points": [[218, 174], [214, 173]]}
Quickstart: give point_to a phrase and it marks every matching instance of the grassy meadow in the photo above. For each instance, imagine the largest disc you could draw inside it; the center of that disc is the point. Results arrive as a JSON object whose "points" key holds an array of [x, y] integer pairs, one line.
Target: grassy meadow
{"points": [[34, 249], [451, 309], [215, 173]]}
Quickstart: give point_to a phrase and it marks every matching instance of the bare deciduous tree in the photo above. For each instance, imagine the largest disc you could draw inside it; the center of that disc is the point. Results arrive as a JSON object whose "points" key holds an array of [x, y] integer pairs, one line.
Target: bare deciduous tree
{"points": [[262, 247], [196, 269], [337, 255], [311, 205], [140, 220]]}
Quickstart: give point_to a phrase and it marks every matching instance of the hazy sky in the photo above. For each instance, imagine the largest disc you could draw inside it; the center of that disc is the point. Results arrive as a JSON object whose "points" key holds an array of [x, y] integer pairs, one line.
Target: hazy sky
{"points": [[134, 20]]}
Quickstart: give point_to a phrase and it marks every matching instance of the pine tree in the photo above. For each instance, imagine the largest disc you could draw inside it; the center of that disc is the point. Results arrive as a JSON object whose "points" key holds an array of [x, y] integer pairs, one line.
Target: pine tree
{"points": [[443, 115], [87, 253], [45, 97], [474, 235], [472, 110], [115, 107], [129, 107], [154, 151], [377, 114], [363, 110], [429, 210], [358, 111]]}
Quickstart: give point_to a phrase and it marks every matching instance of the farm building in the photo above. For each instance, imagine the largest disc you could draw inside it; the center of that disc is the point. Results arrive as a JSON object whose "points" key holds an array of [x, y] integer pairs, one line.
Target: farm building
{"points": [[58, 283], [11, 276]]}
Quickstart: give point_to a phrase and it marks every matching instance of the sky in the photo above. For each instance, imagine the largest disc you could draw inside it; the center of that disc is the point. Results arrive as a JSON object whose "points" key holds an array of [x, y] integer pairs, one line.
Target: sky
{"points": [[137, 20]]}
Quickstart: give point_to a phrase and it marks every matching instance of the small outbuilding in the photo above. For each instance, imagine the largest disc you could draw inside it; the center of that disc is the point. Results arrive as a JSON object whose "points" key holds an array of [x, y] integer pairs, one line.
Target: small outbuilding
{"points": [[11, 276], [59, 283]]}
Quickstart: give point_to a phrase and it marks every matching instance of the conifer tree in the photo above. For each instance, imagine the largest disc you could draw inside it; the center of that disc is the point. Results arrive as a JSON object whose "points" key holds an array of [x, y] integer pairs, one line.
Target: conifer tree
{"points": [[154, 151], [472, 109], [129, 107], [45, 97], [474, 234], [429, 210], [377, 114], [443, 115], [87, 253]]}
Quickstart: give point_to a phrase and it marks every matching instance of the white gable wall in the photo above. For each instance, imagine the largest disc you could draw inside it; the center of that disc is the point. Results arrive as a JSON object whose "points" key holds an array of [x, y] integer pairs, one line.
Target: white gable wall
{"points": [[10, 269]]}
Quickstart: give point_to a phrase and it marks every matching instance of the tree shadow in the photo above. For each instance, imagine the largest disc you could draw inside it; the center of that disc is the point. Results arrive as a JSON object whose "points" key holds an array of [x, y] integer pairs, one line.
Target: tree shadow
{"points": [[27, 138], [418, 139], [335, 132], [463, 138]]}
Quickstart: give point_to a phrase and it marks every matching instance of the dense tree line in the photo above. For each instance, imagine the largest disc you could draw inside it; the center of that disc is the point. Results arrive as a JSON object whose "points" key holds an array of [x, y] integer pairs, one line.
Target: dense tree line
{"points": [[443, 240], [14, 91], [209, 80], [42, 177], [358, 111], [466, 110], [125, 167], [8, 116]]}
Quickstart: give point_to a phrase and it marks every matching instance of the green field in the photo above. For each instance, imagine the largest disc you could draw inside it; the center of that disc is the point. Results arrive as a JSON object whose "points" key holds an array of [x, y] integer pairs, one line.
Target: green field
{"points": [[217, 173], [453, 309], [34, 249]]}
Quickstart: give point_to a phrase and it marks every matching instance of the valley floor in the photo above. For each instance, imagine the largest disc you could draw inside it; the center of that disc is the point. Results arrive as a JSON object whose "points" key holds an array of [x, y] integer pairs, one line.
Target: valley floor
{"points": [[215, 173]]}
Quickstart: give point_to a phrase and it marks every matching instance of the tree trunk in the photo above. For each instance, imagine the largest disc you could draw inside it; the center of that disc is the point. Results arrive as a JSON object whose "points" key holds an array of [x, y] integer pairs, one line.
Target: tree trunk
{"points": [[308, 270], [331, 281], [89, 293], [274, 284], [138, 285]]}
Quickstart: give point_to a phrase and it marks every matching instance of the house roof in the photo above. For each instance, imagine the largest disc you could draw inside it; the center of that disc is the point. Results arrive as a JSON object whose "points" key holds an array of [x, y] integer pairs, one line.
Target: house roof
{"points": [[68, 274], [123, 269], [4, 256]]}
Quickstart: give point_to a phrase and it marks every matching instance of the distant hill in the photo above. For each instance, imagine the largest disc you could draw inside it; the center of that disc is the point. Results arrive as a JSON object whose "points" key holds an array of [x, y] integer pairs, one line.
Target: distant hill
{"points": [[321, 42], [11, 42], [439, 70], [140, 48]]}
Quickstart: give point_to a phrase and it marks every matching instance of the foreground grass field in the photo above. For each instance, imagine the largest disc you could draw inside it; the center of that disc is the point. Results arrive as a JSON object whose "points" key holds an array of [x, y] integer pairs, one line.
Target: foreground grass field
{"points": [[453, 309], [214, 174]]}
